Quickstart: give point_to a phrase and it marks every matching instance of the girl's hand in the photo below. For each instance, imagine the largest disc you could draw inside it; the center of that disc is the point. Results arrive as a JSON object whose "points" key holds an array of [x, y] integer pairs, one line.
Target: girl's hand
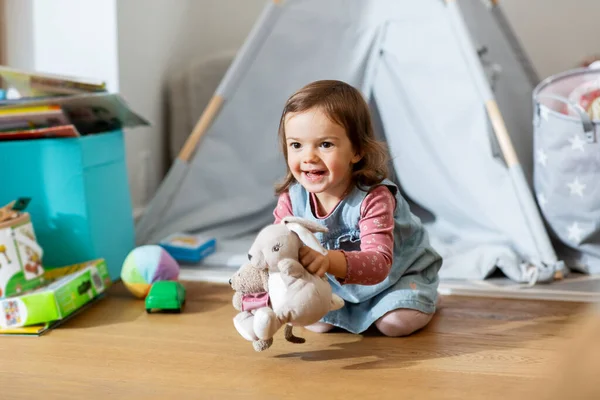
{"points": [[314, 262]]}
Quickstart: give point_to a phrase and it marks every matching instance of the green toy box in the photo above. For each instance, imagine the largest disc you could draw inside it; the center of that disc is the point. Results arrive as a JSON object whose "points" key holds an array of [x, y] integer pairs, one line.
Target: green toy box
{"points": [[58, 300]]}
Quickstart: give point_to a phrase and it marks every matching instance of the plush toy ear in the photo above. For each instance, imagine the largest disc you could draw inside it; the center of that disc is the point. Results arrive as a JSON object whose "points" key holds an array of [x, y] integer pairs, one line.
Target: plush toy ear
{"points": [[310, 225], [306, 236]]}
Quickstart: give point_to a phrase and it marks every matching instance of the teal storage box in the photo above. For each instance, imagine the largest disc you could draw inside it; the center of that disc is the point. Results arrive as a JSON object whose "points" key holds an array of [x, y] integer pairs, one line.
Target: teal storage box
{"points": [[80, 200]]}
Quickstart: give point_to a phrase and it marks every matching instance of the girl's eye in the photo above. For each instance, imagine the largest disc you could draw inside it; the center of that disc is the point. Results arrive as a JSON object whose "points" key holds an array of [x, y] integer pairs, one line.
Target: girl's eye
{"points": [[295, 145], [326, 145]]}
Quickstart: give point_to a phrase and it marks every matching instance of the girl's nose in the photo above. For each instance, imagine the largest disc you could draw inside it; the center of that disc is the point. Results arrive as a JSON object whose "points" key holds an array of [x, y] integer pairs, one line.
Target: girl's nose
{"points": [[310, 157]]}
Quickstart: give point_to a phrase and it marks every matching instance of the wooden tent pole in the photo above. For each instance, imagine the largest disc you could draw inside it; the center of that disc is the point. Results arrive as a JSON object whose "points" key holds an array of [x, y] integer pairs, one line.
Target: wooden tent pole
{"points": [[525, 197], [215, 104], [205, 121], [508, 150]]}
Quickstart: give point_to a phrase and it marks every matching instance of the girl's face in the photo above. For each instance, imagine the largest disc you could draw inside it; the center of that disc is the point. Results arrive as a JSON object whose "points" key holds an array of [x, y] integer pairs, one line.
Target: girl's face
{"points": [[320, 155]]}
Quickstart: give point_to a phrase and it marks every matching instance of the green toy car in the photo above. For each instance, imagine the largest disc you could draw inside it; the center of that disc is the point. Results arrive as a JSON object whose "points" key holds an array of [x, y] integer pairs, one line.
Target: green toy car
{"points": [[165, 296]]}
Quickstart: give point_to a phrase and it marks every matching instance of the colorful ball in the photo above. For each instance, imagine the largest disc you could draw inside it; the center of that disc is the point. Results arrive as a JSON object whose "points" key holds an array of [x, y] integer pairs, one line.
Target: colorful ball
{"points": [[145, 265]]}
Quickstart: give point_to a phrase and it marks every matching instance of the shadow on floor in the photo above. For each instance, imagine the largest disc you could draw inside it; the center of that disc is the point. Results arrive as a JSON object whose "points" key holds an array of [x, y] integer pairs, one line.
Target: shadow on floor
{"points": [[457, 329], [119, 306]]}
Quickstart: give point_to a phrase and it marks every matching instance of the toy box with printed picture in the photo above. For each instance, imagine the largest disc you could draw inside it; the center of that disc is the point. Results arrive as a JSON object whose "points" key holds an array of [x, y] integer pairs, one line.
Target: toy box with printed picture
{"points": [[20, 255], [58, 300], [188, 248]]}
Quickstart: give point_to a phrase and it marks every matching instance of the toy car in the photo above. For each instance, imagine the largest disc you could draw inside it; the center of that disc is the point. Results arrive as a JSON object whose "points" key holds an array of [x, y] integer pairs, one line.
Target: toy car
{"points": [[165, 296]]}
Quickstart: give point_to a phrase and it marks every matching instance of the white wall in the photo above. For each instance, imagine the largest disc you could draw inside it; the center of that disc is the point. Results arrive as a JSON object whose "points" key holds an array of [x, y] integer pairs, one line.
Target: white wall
{"points": [[71, 37], [19, 30], [147, 31], [556, 34]]}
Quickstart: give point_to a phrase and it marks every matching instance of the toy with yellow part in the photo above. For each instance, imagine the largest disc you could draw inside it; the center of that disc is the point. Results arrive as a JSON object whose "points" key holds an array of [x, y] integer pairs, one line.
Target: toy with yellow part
{"points": [[145, 265]]}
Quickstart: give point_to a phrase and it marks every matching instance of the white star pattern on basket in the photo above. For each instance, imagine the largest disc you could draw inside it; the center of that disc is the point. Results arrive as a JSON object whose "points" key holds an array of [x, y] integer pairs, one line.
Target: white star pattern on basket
{"points": [[544, 113], [575, 232], [576, 187], [577, 143], [542, 157], [542, 200]]}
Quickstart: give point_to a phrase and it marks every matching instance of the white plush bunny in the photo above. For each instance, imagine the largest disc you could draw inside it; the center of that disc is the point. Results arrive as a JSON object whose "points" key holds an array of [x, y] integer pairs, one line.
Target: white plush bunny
{"points": [[297, 297]]}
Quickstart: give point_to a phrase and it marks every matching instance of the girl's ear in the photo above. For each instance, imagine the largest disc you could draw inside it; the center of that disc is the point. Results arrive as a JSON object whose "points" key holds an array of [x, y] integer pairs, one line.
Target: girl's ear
{"points": [[356, 158]]}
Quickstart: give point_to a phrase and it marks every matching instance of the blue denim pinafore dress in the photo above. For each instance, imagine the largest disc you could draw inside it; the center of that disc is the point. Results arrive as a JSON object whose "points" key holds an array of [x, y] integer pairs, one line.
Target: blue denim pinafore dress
{"points": [[413, 279]]}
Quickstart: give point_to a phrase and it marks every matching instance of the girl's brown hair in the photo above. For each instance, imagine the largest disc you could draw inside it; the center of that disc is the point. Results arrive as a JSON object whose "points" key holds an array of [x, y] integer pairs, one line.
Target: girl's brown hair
{"points": [[345, 106]]}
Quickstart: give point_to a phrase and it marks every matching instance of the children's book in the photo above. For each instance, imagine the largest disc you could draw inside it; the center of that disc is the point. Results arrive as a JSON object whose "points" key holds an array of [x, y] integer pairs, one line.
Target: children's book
{"points": [[28, 110], [90, 112], [21, 118], [62, 131], [31, 84]]}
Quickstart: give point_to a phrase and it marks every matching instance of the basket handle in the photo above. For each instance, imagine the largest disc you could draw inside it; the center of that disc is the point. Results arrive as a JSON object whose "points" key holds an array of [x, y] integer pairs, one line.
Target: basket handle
{"points": [[588, 126]]}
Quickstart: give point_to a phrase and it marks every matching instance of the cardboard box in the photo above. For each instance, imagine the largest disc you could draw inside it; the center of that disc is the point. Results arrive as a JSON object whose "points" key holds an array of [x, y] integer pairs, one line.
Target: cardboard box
{"points": [[20, 256], [41, 329], [59, 299], [188, 248]]}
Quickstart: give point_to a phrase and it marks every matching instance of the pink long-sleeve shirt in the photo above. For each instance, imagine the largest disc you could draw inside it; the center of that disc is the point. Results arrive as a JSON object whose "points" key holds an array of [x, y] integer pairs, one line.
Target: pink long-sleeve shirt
{"points": [[372, 263]]}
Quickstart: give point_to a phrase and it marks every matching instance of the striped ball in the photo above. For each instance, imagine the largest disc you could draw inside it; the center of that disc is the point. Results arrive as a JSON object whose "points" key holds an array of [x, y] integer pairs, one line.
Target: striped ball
{"points": [[145, 265]]}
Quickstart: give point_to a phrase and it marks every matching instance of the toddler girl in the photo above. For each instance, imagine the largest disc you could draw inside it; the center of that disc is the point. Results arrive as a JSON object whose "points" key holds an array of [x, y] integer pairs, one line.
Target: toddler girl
{"points": [[379, 260]]}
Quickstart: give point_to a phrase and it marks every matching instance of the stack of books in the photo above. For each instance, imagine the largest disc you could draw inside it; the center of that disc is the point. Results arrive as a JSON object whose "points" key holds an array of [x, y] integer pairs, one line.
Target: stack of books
{"points": [[52, 106]]}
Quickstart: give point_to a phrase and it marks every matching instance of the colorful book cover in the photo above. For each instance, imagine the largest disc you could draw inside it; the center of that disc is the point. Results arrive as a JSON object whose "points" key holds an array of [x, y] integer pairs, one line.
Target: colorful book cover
{"points": [[33, 84], [40, 329], [90, 112], [29, 109], [23, 118], [71, 290], [49, 132]]}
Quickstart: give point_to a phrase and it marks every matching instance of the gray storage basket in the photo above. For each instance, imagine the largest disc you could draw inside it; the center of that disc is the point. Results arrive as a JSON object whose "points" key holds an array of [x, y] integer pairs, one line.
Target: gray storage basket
{"points": [[567, 169]]}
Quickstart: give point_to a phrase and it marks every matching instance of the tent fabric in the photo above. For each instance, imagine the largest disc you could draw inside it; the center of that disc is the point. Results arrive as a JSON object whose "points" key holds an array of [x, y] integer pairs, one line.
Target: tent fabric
{"points": [[406, 58]]}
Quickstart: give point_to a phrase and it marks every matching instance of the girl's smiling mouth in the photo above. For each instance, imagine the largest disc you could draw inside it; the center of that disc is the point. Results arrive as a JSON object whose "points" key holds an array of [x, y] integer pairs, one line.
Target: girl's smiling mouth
{"points": [[314, 175]]}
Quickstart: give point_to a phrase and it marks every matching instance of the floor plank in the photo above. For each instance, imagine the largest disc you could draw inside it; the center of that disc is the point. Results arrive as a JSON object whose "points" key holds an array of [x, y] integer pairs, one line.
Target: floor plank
{"points": [[474, 348]]}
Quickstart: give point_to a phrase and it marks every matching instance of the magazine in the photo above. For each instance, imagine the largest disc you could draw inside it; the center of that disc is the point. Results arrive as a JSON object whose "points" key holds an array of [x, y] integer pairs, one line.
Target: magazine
{"points": [[33, 84], [89, 112], [35, 117], [40, 133]]}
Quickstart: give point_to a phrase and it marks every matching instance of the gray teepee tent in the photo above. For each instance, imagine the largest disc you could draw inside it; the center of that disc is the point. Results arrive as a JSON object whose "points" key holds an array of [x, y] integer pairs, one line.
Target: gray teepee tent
{"points": [[418, 65]]}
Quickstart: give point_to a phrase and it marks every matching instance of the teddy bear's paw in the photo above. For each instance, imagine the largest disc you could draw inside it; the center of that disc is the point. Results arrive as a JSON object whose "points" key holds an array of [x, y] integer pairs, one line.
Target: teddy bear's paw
{"points": [[262, 345], [244, 324], [265, 323]]}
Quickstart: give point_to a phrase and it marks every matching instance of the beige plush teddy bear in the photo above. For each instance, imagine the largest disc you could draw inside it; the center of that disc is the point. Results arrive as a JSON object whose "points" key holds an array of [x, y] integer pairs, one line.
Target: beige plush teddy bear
{"points": [[297, 297], [251, 293]]}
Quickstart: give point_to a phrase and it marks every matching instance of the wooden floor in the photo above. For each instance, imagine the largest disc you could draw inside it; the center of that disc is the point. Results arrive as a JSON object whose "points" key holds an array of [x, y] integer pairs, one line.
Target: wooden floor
{"points": [[473, 349]]}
